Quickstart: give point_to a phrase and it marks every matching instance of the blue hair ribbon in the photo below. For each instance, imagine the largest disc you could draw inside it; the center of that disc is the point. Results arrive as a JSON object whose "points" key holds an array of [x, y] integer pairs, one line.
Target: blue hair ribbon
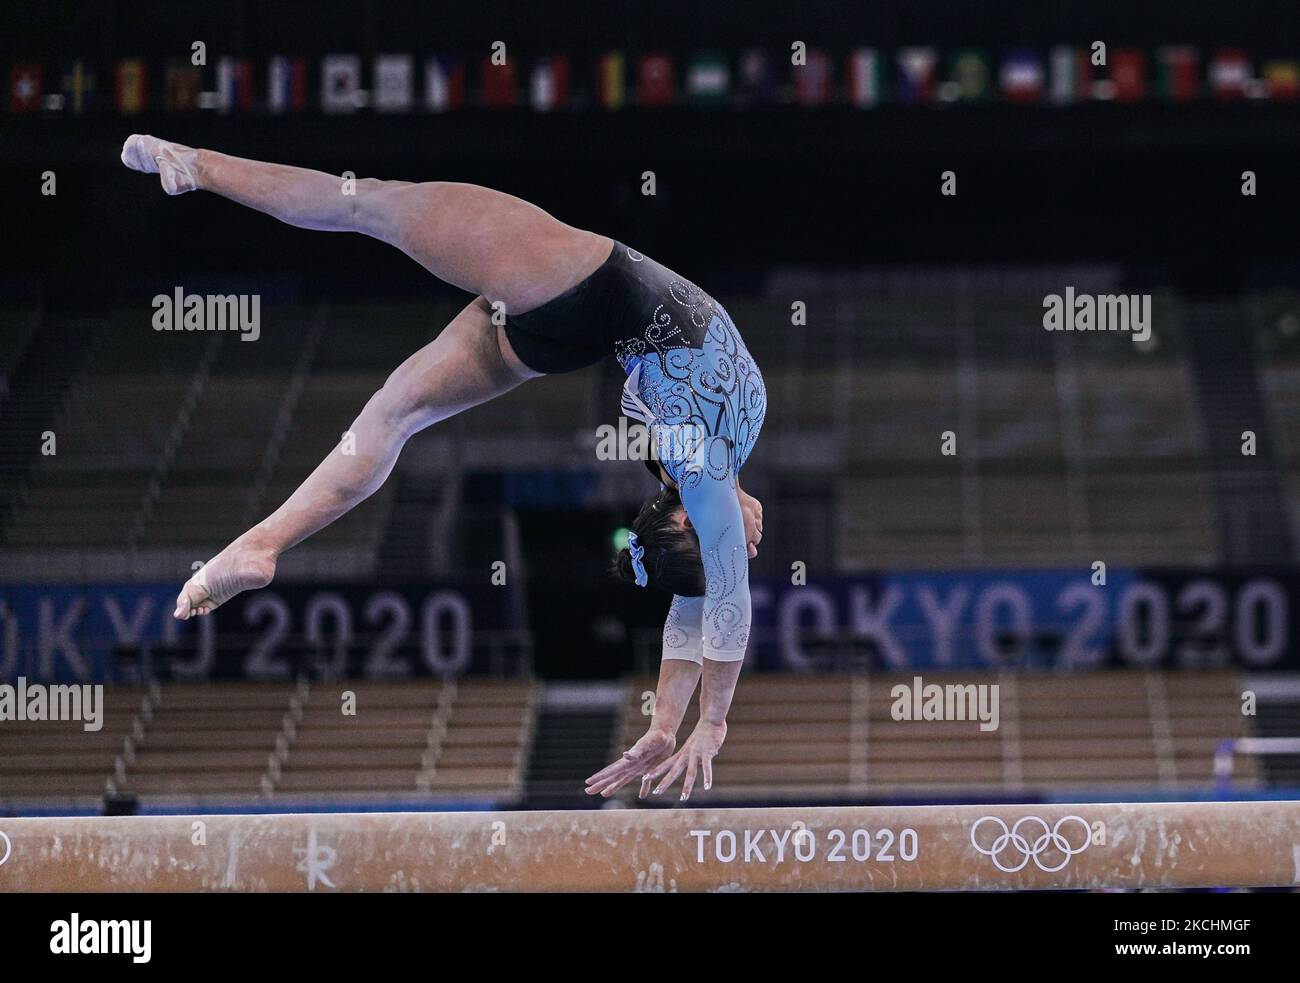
{"points": [[638, 552]]}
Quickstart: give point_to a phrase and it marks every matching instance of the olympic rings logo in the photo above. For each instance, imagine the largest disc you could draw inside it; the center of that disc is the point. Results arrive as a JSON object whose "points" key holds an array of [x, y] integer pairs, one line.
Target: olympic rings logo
{"points": [[1031, 850], [9, 847]]}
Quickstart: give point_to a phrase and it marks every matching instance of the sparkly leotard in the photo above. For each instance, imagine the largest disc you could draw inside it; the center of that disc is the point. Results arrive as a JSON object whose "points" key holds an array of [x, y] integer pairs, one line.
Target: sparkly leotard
{"points": [[692, 380]]}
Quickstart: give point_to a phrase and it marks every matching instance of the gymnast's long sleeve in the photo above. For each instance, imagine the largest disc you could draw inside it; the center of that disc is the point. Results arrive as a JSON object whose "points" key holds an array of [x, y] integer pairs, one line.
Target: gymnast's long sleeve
{"points": [[710, 499], [684, 630]]}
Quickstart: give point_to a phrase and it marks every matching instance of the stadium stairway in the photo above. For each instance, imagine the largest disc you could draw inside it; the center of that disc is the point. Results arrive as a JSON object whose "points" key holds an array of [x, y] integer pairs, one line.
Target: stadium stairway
{"points": [[576, 728], [1249, 490], [404, 550], [36, 389]]}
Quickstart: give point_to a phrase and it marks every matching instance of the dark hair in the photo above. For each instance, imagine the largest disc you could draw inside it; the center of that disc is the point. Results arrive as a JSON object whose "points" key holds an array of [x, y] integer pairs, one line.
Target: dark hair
{"points": [[672, 553]]}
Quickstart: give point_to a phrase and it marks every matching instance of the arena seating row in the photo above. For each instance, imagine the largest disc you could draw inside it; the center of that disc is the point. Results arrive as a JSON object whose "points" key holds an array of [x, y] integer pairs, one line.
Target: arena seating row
{"points": [[1068, 447], [237, 744], [169, 444], [793, 738], [1066, 452]]}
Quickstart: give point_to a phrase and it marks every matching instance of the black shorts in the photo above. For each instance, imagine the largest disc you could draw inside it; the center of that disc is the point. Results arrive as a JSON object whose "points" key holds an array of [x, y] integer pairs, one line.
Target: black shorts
{"points": [[629, 299]]}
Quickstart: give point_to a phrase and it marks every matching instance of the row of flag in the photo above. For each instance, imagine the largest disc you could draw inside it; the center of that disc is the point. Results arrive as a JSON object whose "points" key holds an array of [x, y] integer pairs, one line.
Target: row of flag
{"points": [[864, 77]]}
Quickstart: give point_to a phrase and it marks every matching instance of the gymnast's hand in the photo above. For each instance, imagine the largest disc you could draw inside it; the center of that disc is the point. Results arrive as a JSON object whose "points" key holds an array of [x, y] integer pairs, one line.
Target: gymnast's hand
{"points": [[695, 758], [752, 510], [653, 748]]}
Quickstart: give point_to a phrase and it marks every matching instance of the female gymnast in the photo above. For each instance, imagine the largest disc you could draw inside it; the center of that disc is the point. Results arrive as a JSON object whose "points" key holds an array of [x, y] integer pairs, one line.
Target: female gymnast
{"points": [[567, 298]]}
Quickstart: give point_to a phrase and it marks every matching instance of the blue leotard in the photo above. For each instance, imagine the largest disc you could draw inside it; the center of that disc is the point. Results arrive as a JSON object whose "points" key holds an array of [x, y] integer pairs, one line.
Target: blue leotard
{"points": [[692, 380]]}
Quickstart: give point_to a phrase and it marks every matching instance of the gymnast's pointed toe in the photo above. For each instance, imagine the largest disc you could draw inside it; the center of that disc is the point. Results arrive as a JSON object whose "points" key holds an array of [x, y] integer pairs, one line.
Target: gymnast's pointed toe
{"points": [[140, 152], [172, 162]]}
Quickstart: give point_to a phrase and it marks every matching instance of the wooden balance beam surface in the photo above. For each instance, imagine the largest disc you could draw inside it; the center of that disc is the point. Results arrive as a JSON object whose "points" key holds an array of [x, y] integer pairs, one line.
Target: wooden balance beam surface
{"points": [[905, 848]]}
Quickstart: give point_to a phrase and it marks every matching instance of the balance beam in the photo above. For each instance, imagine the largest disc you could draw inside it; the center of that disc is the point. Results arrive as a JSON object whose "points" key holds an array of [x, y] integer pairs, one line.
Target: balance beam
{"points": [[905, 848]]}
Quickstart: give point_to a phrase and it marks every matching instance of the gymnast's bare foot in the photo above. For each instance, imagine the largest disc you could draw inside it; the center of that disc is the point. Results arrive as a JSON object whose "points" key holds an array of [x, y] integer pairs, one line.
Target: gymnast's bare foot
{"points": [[175, 164], [243, 565]]}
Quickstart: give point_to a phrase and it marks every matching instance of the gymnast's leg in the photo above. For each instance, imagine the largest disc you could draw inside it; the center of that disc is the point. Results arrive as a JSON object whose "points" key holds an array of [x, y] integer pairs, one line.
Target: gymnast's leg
{"points": [[502, 248], [484, 241], [468, 363]]}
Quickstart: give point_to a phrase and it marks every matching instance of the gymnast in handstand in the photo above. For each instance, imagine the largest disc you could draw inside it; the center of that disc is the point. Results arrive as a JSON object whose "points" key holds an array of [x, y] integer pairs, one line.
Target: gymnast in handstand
{"points": [[568, 298]]}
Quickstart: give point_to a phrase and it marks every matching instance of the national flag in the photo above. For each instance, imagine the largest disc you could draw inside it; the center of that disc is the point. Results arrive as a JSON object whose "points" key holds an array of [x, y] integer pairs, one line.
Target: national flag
{"points": [[1177, 78], [970, 77], [78, 87], [757, 82], [917, 75], [655, 85], [25, 88], [286, 84], [866, 77], [1071, 75], [611, 82], [498, 84], [1229, 73], [394, 83], [1128, 74], [444, 84], [132, 89], [812, 80], [1282, 80], [549, 84], [234, 84], [340, 83], [1021, 77], [708, 79], [181, 85]]}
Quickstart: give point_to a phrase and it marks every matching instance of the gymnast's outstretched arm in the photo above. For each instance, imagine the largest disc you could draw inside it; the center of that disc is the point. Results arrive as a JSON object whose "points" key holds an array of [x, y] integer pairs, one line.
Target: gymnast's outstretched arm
{"points": [[710, 496], [679, 673]]}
